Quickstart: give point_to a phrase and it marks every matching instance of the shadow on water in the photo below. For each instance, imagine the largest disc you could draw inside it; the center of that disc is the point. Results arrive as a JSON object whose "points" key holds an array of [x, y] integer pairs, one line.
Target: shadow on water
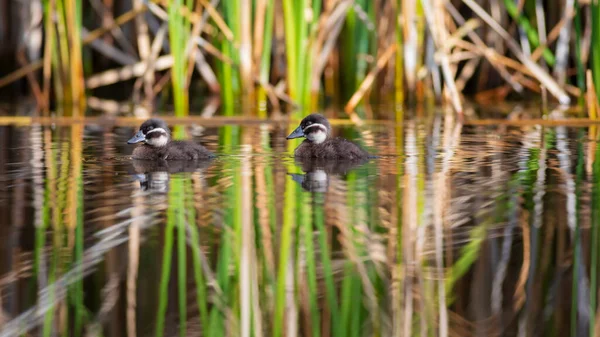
{"points": [[455, 230]]}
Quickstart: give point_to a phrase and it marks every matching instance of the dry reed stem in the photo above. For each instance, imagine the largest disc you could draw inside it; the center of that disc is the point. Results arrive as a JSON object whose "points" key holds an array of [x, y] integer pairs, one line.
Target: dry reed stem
{"points": [[591, 98], [438, 34], [541, 22], [291, 307], [191, 50], [245, 50], [409, 220], [368, 82], [519, 295], [35, 87], [212, 50], [207, 73], [109, 51], [107, 20], [162, 82], [538, 72], [137, 212], [122, 19], [331, 27], [150, 62], [143, 42], [255, 295], [467, 72], [410, 39], [562, 45], [490, 54], [47, 61], [460, 56], [328, 32], [128, 72], [465, 29], [203, 67], [259, 29], [274, 94], [19, 73]]}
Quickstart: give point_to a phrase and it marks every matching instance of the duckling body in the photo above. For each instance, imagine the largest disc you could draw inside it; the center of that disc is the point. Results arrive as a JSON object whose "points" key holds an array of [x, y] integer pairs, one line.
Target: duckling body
{"points": [[157, 144], [334, 148], [316, 129]]}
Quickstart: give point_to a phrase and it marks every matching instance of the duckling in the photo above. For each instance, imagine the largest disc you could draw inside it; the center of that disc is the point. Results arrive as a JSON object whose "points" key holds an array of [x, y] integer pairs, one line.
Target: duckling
{"points": [[158, 144], [316, 129]]}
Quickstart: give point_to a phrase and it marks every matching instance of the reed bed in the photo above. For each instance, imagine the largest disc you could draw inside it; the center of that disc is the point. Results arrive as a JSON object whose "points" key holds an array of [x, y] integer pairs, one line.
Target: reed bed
{"points": [[264, 57]]}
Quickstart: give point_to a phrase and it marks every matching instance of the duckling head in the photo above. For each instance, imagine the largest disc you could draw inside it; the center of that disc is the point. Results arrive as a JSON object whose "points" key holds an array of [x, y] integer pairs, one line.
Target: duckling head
{"points": [[314, 127], [153, 132]]}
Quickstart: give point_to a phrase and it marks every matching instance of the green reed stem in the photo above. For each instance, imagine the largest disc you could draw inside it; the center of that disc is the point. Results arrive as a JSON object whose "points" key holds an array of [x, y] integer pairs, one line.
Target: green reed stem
{"points": [[230, 78], [595, 45], [178, 32], [217, 324], [201, 297], [165, 273], [285, 249], [362, 46], [325, 254], [177, 213], [265, 60], [348, 53], [63, 51], [227, 82], [311, 269], [298, 50], [355, 320], [347, 302], [290, 43], [79, 247]]}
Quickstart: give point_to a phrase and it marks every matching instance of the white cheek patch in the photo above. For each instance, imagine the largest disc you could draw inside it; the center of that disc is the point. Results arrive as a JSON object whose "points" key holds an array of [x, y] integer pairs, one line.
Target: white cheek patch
{"points": [[158, 141], [317, 137]]}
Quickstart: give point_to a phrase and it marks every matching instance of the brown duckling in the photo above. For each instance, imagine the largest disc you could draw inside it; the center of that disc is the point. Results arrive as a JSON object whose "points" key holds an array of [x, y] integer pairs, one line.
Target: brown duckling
{"points": [[158, 145], [318, 143]]}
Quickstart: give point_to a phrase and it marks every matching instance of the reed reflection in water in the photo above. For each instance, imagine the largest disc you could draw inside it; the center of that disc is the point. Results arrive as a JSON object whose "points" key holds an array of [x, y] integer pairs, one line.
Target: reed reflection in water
{"points": [[455, 230]]}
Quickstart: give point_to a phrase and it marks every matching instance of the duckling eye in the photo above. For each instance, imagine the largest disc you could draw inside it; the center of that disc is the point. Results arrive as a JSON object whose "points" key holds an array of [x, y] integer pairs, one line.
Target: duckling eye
{"points": [[150, 128], [309, 123]]}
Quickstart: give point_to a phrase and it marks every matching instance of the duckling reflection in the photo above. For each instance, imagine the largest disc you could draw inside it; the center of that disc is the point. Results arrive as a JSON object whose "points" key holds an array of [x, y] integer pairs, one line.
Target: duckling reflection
{"points": [[154, 175], [153, 181], [318, 172]]}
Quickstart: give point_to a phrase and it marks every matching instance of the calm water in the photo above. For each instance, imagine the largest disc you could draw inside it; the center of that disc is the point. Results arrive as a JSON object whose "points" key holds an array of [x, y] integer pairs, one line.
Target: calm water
{"points": [[456, 230]]}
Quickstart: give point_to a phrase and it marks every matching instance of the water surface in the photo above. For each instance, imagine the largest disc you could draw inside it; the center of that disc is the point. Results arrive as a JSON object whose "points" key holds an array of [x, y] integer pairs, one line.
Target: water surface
{"points": [[455, 230]]}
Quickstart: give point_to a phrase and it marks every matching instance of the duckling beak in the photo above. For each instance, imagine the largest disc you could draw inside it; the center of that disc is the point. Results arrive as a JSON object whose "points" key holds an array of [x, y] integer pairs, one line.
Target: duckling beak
{"points": [[296, 133], [139, 137]]}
